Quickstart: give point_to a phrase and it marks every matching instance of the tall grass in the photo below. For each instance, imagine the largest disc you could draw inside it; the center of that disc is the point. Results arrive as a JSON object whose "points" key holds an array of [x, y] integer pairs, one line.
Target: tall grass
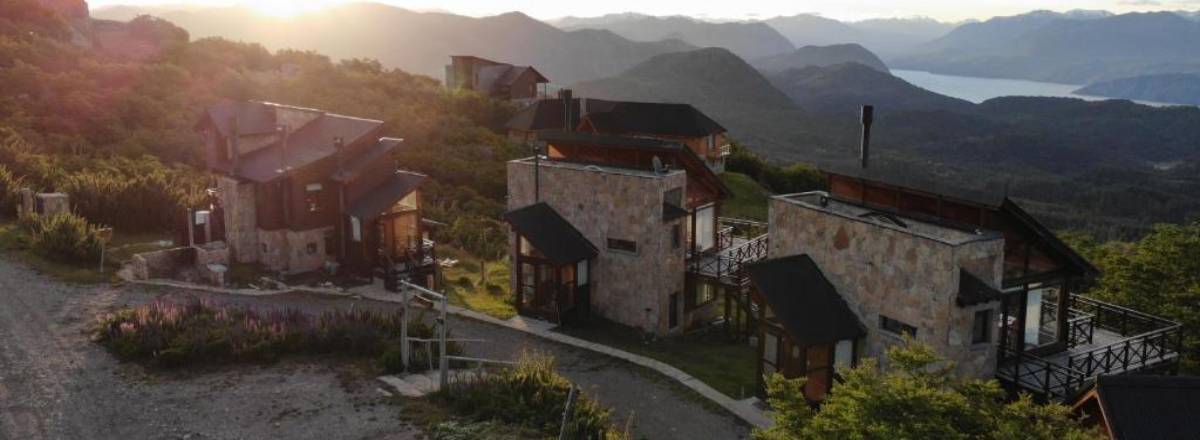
{"points": [[531, 394], [169, 334], [63, 237]]}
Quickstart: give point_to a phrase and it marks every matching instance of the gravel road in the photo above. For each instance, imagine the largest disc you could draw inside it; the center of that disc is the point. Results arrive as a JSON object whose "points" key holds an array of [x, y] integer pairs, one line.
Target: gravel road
{"points": [[56, 384]]}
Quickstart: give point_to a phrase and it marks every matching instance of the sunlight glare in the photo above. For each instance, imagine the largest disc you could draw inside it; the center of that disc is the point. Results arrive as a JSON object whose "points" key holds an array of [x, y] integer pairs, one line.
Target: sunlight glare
{"points": [[288, 8]]}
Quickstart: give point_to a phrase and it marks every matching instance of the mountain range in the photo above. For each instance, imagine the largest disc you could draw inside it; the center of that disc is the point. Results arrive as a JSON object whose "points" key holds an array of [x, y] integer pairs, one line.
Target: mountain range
{"points": [[820, 56], [748, 40], [886, 37], [388, 33], [1068, 48]]}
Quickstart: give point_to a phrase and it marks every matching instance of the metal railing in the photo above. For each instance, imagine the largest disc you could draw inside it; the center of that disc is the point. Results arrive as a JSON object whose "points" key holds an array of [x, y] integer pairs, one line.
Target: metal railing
{"points": [[1144, 351], [727, 265], [1048, 379]]}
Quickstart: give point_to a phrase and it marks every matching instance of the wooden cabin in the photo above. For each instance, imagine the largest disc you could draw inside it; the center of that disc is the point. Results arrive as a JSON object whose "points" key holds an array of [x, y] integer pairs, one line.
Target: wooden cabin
{"points": [[495, 79], [303, 189], [676, 123]]}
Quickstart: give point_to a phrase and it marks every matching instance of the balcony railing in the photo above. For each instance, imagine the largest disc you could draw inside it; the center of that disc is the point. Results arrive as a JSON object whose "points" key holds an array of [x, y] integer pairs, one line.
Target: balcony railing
{"points": [[726, 265], [1129, 341]]}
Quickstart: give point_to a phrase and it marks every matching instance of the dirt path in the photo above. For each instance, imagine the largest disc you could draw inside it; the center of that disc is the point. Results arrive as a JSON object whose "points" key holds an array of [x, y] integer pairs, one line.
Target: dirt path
{"points": [[55, 384]]}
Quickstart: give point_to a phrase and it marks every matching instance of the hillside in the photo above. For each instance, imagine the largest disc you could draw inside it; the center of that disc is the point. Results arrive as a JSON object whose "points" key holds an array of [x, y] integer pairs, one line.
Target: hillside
{"points": [[721, 85], [844, 88], [820, 56], [747, 40], [886, 37], [381, 32], [1179, 88], [1074, 48]]}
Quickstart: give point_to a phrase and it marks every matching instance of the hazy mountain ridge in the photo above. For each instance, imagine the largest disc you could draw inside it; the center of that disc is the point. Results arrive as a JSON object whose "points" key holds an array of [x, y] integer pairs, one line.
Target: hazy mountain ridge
{"points": [[1067, 48], [886, 37], [844, 88], [380, 30], [746, 39], [820, 56], [1180, 88]]}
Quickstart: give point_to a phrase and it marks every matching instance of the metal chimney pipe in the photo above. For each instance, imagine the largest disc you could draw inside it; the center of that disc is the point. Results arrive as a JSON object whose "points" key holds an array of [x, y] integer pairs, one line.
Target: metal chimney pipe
{"points": [[868, 117], [565, 95]]}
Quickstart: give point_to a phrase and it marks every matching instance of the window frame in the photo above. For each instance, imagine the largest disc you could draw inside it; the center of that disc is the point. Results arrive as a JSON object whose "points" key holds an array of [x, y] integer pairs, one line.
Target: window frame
{"points": [[896, 327], [621, 245], [984, 325]]}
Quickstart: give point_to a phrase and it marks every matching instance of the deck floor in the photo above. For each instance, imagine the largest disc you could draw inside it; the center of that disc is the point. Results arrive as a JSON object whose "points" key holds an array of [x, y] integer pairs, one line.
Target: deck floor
{"points": [[1034, 374]]}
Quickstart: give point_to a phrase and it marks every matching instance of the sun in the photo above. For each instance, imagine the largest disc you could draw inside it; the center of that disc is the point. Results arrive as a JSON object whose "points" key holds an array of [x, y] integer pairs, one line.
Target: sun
{"points": [[288, 8]]}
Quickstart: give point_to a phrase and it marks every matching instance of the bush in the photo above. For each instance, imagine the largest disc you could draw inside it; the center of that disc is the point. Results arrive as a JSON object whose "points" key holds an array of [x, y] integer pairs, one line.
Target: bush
{"points": [[65, 237], [531, 394], [10, 191], [169, 335]]}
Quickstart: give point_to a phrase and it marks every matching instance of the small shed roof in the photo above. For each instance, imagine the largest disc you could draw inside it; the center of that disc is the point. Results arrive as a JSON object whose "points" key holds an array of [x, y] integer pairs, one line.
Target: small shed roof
{"points": [[1144, 407], [384, 196], [551, 234], [804, 301], [972, 290]]}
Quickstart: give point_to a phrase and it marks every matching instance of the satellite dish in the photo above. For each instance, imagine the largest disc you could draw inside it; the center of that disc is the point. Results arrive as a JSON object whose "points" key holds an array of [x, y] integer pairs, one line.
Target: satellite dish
{"points": [[658, 165]]}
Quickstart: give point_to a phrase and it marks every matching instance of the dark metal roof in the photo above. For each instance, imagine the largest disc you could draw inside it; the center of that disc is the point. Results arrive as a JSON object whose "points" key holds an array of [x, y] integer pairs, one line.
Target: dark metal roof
{"points": [[382, 197], [1150, 407], [694, 165], [672, 212], [804, 301], [619, 117], [356, 165], [551, 234], [972, 290], [310, 143], [252, 117]]}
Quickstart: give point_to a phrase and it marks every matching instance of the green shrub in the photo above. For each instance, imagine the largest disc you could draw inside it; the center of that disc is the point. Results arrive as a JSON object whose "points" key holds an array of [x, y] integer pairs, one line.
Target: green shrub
{"points": [[64, 237], [169, 335], [531, 394], [10, 191]]}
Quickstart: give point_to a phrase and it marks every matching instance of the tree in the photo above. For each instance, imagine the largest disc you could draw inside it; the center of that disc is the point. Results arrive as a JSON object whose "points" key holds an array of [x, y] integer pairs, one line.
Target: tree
{"points": [[918, 397]]}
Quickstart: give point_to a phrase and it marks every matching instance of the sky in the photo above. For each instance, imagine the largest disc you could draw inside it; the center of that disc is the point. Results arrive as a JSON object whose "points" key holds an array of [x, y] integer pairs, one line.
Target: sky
{"points": [[945, 10]]}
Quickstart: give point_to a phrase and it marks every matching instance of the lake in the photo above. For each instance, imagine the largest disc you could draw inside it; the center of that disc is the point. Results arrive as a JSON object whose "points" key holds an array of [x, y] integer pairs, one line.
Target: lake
{"points": [[977, 89]]}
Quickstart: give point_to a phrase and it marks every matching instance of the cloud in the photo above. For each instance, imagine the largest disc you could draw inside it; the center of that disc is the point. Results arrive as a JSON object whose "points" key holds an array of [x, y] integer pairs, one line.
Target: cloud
{"points": [[1139, 3]]}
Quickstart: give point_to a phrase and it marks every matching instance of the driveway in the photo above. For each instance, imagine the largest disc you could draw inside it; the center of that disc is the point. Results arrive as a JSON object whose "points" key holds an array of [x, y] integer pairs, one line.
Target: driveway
{"points": [[56, 384]]}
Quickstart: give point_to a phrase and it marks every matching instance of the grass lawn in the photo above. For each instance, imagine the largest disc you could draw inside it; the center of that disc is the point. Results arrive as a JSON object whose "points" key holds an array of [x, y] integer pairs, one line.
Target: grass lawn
{"points": [[464, 283], [709, 356], [749, 200]]}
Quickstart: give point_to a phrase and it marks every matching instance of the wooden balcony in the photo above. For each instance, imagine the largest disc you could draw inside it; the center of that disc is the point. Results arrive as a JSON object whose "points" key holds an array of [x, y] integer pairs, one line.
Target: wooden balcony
{"points": [[739, 242], [1102, 339]]}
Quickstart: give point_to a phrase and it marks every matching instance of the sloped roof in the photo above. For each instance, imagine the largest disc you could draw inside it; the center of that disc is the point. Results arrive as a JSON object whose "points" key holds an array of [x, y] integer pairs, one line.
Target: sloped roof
{"points": [[694, 165], [251, 117], [1145, 407], [310, 143], [353, 167], [804, 301], [551, 234], [618, 117], [384, 196], [972, 290]]}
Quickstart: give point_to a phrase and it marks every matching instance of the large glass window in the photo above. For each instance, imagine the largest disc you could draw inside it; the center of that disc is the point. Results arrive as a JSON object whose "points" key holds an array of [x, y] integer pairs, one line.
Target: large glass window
{"points": [[705, 228]]}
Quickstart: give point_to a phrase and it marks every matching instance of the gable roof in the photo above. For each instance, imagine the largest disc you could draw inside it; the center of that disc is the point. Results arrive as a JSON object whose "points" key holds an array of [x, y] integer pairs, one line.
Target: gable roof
{"points": [[353, 167], [1157, 407], [693, 164], [551, 234], [384, 196], [804, 301], [618, 117], [972, 290], [306, 144]]}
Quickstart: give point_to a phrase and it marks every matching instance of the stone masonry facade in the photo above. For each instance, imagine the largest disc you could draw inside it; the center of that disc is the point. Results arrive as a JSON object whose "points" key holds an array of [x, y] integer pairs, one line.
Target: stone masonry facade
{"points": [[629, 288], [277, 250], [913, 277]]}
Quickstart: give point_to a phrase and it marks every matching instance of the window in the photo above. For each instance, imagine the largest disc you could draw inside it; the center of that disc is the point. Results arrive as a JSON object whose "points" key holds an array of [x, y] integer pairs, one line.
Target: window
{"points": [[622, 245], [330, 242], [843, 354], [676, 236], [981, 329], [705, 232], [355, 229], [704, 293], [581, 272], [674, 197], [893, 326], [312, 196]]}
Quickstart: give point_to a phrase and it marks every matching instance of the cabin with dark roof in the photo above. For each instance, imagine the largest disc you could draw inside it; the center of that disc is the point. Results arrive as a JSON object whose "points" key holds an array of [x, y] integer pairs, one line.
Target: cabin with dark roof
{"points": [[973, 276], [615, 226], [677, 123], [302, 189], [1142, 407], [495, 79]]}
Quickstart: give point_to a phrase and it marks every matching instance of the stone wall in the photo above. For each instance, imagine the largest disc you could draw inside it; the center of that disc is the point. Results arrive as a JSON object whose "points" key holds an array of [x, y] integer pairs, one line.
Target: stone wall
{"points": [[880, 268], [162, 264], [632, 289], [293, 251], [241, 218]]}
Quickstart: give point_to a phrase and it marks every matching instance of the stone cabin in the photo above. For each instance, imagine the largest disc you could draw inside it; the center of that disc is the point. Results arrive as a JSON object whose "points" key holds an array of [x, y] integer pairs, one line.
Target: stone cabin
{"points": [[495, 79], [679, 123], [301, 189], [606, 225]]}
